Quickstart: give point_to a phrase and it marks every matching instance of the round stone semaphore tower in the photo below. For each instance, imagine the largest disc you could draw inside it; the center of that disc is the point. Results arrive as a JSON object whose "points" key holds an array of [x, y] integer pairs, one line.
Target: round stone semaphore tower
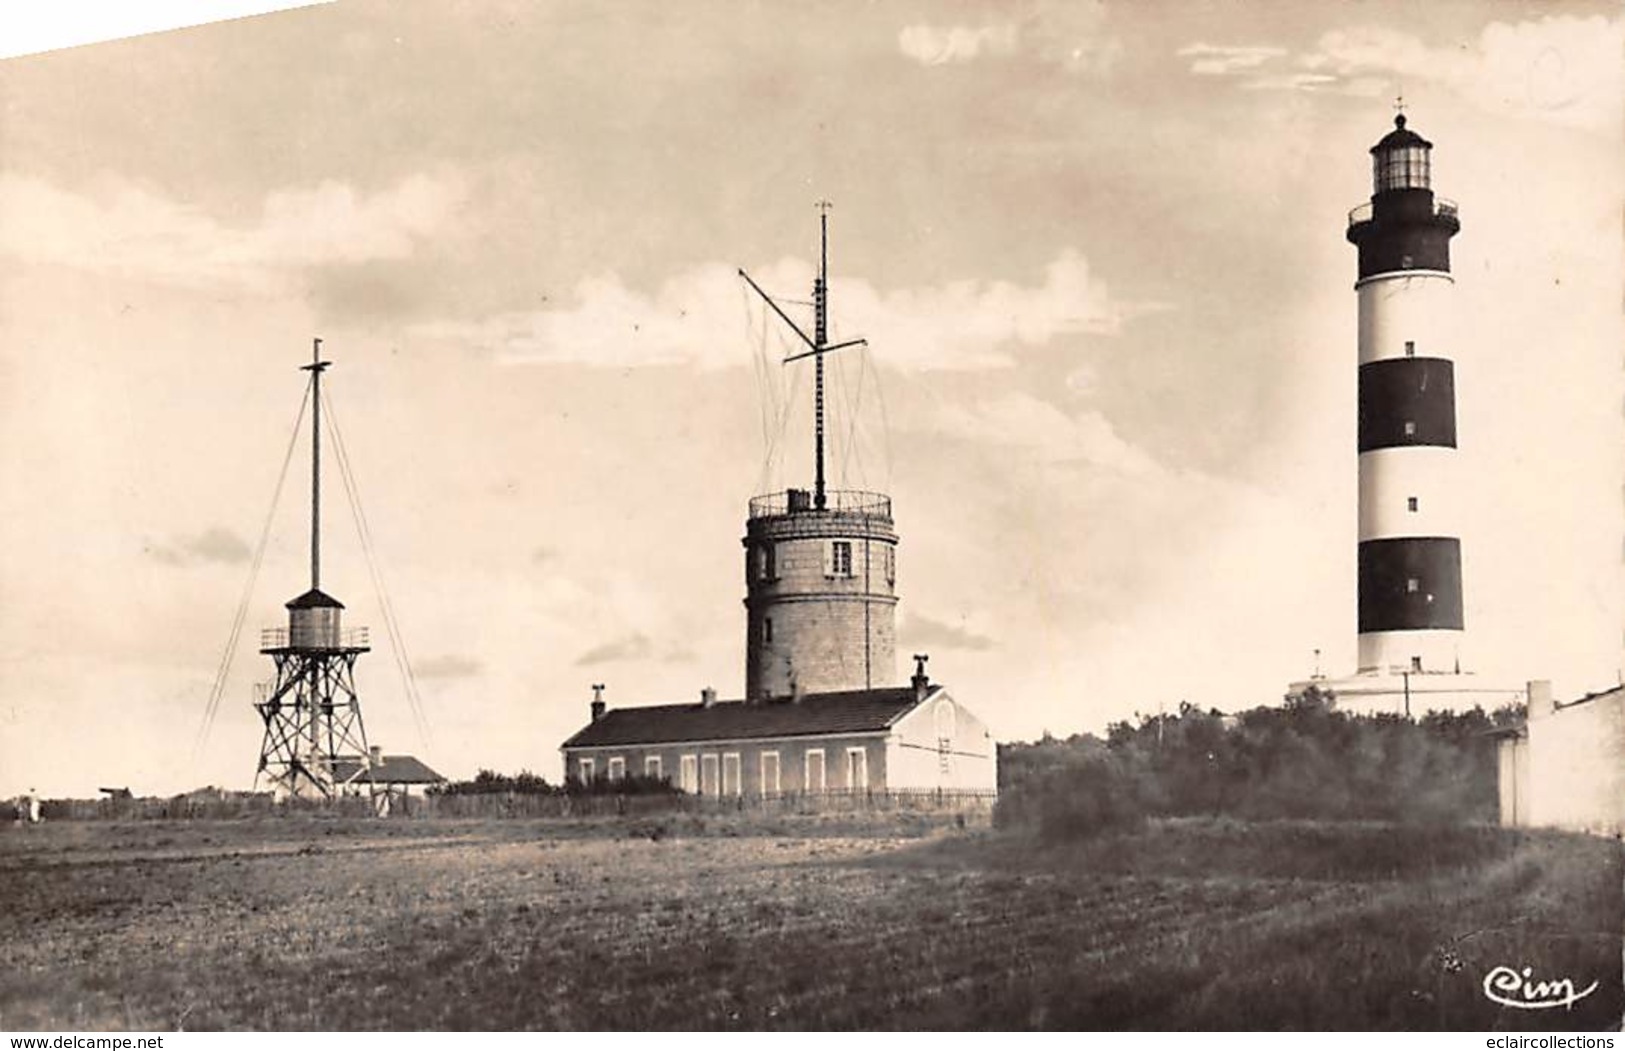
{"points": [[821, 597]]}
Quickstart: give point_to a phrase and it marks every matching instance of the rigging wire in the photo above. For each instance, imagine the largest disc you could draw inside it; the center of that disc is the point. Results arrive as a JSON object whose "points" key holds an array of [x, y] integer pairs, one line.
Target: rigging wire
{"points": [[386, 606], [223, 670]]}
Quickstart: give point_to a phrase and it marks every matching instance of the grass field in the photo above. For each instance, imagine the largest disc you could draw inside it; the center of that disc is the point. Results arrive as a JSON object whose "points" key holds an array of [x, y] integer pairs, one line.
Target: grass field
{"points": [[309, 923]]}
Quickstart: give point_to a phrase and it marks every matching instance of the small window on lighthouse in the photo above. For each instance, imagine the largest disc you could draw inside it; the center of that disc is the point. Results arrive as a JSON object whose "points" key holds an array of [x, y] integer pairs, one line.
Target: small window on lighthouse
{"points": [[1410, 428], [1410, 348], [1411, 503], [1412, 585], [1416, 664], [767, 629]]}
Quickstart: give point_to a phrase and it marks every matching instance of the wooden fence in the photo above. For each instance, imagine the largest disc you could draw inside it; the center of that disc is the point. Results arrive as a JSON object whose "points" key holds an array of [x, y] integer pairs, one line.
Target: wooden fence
{"points": [[525, 805]]}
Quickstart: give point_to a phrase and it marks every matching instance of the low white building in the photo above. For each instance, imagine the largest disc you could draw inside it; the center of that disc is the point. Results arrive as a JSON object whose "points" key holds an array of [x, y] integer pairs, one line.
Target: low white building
{"points": [[914, 738], [1565, 767]]}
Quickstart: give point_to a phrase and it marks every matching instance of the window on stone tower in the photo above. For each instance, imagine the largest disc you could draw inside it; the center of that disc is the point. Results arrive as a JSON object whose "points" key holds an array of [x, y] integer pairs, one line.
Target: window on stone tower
{"points": [[840, 559], [1410, 428], [1410, 348], [1411, 503], [766, 563], [891, 565], [1412, 585], [1416, 664], [767, 629]]}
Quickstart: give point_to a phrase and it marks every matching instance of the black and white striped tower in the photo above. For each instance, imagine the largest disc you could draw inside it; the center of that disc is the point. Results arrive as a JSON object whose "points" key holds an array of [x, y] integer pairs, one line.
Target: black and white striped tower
{"points": [[1410, 579], [1411, 518]]}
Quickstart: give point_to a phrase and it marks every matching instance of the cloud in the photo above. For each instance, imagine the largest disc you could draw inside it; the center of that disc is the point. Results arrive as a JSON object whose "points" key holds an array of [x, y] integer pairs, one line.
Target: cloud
{"points": [[923, 631], [1045, 434], [956, 326], [935, 45], [1560, 69], [635, 646], [122, 228], [447, 666], [1221, 60], [216, 544], [1068, 38]]}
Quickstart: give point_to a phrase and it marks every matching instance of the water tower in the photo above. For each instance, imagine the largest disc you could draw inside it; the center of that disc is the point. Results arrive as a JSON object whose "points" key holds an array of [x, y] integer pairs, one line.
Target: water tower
{"points": [[312, 714]]}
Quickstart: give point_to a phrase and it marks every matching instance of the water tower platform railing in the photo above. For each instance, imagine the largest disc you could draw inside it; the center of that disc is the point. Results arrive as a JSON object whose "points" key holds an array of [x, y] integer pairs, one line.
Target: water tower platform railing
{"points": [[348, 640]]}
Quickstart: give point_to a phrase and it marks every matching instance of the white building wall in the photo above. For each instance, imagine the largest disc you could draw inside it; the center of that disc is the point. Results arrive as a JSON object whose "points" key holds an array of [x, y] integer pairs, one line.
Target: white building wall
{"points": [[1576, 765], [940, 744]]}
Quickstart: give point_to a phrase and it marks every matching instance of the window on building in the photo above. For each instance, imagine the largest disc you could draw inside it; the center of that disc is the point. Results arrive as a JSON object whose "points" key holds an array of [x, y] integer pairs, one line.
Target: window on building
{"points": [[708, 774], [767, 562], [617, 768], [857, 769], [891, 564], [814, 778], [584, 770], [688, 773], [1411, 503], [731, 781], [767, 629], [1410, 348], [840, 559], [651, 767], [1412, 585], [1416, 664], [770, 773], [1410, 428]]}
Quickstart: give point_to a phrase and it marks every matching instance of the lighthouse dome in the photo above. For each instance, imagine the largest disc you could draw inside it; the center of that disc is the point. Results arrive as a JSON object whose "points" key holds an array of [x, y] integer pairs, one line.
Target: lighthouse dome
{"points": [[1400, 137]]}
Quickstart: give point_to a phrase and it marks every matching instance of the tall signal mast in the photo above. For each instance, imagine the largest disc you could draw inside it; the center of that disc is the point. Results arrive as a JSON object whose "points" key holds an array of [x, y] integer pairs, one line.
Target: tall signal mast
{"points": [[312, 714], [817, 346]]}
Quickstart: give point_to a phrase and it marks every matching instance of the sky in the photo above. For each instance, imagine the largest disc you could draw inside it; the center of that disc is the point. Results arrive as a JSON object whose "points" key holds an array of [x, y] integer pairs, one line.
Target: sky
{"points": [[1097, 251]]}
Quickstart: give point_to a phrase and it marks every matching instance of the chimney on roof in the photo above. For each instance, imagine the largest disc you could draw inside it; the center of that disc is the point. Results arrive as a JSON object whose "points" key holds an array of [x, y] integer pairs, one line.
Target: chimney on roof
{"points": [[921, 681], [1539, 694], [708, 697], [597, 701], [375, 757]]}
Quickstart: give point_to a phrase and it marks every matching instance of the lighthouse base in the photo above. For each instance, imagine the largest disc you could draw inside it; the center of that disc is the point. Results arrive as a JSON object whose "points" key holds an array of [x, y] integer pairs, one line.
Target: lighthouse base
{"points": [[1414, 694]]}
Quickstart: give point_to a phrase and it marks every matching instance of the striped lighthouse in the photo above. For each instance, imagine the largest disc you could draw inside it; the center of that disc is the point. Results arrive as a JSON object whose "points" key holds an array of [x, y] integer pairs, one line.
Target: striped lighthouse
{"points": [[1410, 581], [1411, 616]]}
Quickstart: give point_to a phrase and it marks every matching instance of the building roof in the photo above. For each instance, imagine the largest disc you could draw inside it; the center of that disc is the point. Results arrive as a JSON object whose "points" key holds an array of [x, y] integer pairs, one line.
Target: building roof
{"points": [[315, 598], [1400, 137], [846, 712], [394, 770]]}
